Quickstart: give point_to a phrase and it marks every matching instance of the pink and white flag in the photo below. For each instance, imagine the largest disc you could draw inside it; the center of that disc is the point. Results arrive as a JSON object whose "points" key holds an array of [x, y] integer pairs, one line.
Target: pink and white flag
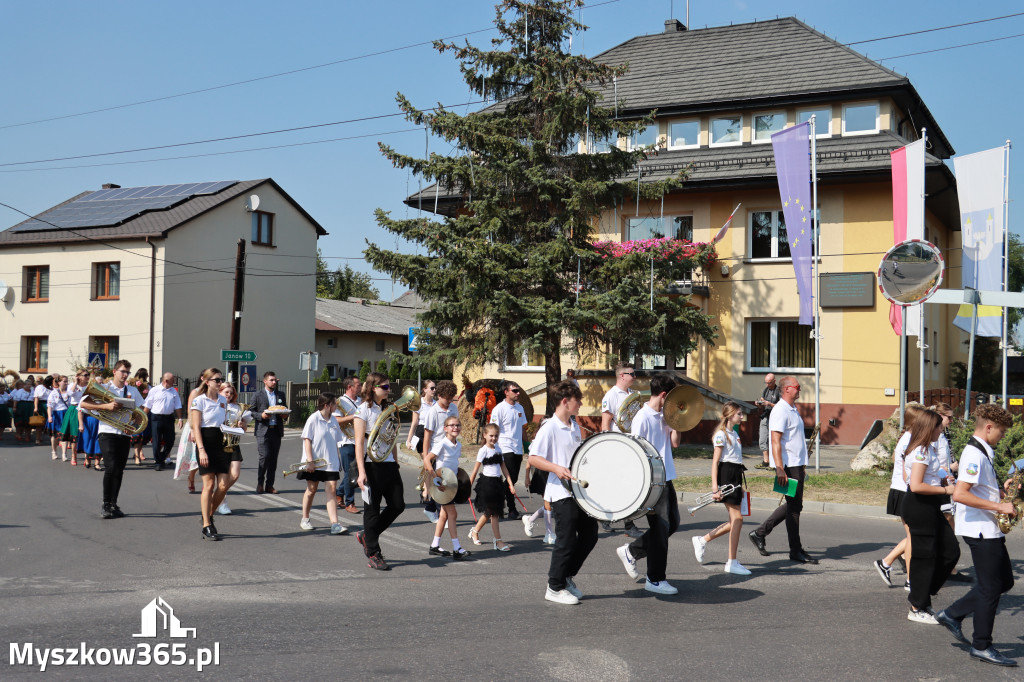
{"points": [[907, 213], [725, 228]]}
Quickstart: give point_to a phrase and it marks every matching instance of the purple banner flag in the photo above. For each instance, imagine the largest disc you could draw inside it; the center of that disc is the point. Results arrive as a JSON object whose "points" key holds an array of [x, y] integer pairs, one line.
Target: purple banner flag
{"points": [[792, 148]]}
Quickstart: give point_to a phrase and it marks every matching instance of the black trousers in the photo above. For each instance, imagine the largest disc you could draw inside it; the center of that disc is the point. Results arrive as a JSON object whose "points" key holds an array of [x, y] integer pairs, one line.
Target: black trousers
{"points": [[575, 537], [790, 512], [163, 436], [933, 546], [513, 463], [385, 483], [992, 569], [268, 444], [114, 448], [653, 544]]}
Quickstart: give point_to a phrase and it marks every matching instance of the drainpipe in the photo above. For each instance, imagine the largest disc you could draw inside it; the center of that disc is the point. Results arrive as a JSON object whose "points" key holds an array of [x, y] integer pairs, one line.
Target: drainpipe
{"points": [[152, 303]]}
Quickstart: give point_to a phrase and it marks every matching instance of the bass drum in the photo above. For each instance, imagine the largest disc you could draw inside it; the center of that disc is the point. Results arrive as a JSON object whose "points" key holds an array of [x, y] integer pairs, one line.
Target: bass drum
{"points": [[625, 477]]}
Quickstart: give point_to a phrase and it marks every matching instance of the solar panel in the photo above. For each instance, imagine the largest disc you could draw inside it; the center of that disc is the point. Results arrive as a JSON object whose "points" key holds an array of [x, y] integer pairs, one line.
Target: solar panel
{"points": [[109, 207]]}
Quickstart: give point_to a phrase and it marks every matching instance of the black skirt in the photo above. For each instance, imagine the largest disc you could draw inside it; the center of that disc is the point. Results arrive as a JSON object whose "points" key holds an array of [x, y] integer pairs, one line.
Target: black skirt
{"points": [[489, 499], [728, 472], [538, 482], [213, 443], [236, 454], [894, 504], [318, 475]]}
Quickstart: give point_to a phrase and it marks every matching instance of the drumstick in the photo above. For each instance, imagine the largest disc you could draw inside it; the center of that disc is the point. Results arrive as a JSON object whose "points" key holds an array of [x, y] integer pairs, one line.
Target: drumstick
{"points": [[521, 502], [583, 484]]}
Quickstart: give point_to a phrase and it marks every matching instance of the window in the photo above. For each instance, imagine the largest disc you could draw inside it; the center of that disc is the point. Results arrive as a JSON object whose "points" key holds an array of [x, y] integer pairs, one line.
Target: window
{"points": [[332, 372], [778, 345], [766, 124], [822, 121], [859, 119], [262, 228], [332, 342], [768, 235], [678, 227], [106, 281], [652, 362], [602, 145], [684, 134], [108, 345], [37, 283], [528, 360], [726, 131], [37, 353], [648, 137], [935, 347], [378, 345]]}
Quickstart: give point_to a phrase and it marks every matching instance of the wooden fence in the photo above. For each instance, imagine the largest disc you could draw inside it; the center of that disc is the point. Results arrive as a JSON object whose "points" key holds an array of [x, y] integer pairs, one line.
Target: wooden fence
{"points": [[955, 398]]}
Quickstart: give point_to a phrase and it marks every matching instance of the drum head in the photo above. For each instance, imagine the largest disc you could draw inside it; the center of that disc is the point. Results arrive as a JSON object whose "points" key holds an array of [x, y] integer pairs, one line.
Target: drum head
{"points": [[618, 472]]}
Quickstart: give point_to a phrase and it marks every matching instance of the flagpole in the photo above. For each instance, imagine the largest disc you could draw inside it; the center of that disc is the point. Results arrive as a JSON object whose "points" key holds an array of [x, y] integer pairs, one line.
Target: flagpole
{"points": [[922, 339], [1006, 257], [816, 262], [903, 363]]}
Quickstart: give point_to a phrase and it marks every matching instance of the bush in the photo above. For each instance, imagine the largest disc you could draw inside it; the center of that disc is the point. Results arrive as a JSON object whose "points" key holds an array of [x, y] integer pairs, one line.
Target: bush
{"points": [[324, 376], [364, 370], [408, 372], [382, 367]]}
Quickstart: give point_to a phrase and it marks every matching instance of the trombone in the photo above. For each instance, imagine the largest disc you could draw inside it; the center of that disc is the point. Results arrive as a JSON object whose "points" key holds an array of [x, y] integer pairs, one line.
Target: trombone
{"points": [[707, 498]]}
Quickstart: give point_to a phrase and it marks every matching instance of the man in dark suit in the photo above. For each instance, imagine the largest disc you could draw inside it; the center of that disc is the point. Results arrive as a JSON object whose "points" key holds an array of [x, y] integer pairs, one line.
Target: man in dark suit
{"points": [[269, 429]]}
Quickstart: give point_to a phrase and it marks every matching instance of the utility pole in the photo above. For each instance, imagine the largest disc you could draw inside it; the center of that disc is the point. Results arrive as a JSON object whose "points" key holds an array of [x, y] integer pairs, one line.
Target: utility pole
{"points": [[236, 307]]}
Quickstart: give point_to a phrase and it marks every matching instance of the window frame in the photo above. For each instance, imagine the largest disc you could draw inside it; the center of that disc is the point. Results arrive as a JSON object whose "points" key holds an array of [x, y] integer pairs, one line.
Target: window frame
{"points": [[256, 217], [103, 345], [592, 143], [669, 139], [27, 293], [878, 116], [711, 131], [36, 341], [524, 367], [633, 146], [817, 129], [667, 218], [753, 126], [776, 212], [104, 267], [773, 348]]}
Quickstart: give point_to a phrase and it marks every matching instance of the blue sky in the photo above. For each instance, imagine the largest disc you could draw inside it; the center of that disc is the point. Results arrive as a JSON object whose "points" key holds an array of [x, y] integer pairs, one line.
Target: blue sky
{"points": [[62, 57]]}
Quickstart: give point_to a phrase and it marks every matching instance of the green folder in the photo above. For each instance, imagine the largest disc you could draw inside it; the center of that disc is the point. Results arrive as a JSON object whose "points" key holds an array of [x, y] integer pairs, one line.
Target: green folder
{"points": [[789, 490]]}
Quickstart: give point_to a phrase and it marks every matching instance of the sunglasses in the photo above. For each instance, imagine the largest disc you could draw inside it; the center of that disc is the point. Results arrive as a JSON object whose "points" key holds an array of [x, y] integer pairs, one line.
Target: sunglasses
{"points": [[514, 390], [629, 374], [217, 380], [385, 387]]}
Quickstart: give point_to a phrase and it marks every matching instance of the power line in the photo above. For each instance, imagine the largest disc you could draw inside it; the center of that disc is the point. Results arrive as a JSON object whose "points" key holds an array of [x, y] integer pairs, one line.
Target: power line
{"points": [[953, 47], [931, 30]]}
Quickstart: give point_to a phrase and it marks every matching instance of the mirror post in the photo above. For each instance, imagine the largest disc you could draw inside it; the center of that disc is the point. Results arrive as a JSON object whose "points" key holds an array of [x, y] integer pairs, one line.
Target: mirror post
{"points": [[903, 363]]}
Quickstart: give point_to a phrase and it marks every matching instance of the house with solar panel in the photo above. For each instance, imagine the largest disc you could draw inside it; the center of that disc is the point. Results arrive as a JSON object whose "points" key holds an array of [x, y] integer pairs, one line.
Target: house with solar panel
{"points": [[718, 94], [147, 274]]}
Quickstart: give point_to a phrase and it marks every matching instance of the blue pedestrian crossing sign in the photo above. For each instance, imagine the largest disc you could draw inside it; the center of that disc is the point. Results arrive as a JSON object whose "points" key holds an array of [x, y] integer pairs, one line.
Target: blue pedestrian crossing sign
{"points": [[98, 360], [414, 334]]}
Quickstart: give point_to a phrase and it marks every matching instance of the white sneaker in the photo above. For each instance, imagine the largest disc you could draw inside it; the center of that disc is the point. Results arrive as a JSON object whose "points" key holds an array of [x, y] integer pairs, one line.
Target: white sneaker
{"points": [[736, 568], [662, 587], [561, 597], [338, 529], [549, 539], [699, 545], [224, 509], [304, 524], [628, 562], [528, 526], [570, 586], [922, 616]]}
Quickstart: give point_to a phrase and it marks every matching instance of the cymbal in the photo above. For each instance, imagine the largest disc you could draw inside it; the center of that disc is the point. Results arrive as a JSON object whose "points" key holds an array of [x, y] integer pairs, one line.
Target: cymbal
{"points": [[447, 479], [684, 407]]}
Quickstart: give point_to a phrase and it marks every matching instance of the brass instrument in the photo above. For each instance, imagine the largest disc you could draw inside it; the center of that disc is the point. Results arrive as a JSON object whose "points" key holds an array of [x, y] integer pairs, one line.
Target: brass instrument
{"points": [[233, 419], [630, 405], [708, 498], [684, 407], [347, 429], [301, 466], [1013, 496], [127, 418], [385, 432]]}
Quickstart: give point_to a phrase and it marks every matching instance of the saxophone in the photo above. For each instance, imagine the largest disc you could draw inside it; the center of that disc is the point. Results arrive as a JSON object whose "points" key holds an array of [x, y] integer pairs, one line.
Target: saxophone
{"points": [[1013, 496]]}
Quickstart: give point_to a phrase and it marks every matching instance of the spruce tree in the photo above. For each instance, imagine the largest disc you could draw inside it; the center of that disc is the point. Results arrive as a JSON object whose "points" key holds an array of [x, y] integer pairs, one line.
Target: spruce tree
{"points": [[516, 269], [364, 370]]}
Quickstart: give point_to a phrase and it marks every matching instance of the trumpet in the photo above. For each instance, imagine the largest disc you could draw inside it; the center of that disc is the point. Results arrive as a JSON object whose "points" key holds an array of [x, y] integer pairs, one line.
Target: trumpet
{"points": [[385, 430], [708, 498], [301, 466], [127, 418]]}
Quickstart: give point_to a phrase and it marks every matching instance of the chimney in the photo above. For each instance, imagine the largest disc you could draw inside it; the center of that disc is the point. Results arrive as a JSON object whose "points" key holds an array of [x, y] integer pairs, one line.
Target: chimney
{"points": [[674, 26], [110, 185]]}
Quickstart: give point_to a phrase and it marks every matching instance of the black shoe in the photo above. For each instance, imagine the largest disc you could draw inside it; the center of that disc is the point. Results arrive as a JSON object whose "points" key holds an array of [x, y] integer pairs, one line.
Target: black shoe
{"points": [[107, 513], [159, 466], [460, 554], [437, 551], [214, 529], [953, 625], [990, 655], [512, 515], [116, 511], [802, 557], [758, 542], [959, 577], [209, 534]]}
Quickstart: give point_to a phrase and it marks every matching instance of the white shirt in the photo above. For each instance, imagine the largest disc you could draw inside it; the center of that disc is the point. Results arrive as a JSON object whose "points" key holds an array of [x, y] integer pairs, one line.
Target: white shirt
{"points": [[424, 408], [76, 393], [324, 435], [492, 470], [161, 400], [897, 482], [729, 441], [20, 394], [510, 420], [930, 458], [369, 412], [436, 417], [5, 398], [212, 410], [612, 399], [271, 401], [786, 419], [58, 401], [650, 425], [41, 392], [976, 469], [350, 408], [942, 447], [126, 392], [556, 442], [447, 452]]}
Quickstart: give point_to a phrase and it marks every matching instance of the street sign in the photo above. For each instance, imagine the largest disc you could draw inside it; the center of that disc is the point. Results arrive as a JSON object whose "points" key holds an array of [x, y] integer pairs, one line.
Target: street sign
{"points": [[98, 360], [237, 355], [247, 379], [414, 337], [309, 361]]}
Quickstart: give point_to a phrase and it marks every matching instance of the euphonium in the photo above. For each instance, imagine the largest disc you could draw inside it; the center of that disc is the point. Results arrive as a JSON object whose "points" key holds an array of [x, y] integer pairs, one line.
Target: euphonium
{"points": [[233, 418], [385, 431], [628, 408], [129, 420], [345, 412], [1013, 496]]}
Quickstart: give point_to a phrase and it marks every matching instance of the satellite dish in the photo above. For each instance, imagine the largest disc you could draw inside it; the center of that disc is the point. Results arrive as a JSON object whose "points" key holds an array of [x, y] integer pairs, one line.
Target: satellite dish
{"points": [[252, 203], [910, 272], [5, 292]]}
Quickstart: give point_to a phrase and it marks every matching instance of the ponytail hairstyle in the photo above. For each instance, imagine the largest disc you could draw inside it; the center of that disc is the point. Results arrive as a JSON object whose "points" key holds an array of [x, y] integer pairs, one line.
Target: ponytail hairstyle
{"points": [[910, 415], [206, 376], [373, 380], [921, 432], [728, 410]]}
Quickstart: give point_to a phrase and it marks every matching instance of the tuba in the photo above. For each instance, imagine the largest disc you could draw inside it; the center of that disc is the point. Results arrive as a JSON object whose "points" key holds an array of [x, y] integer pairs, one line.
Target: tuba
{"points": [[628, 409], [233, 420], [347, 428], [385, 432], [1013, 496], [127, 418]]}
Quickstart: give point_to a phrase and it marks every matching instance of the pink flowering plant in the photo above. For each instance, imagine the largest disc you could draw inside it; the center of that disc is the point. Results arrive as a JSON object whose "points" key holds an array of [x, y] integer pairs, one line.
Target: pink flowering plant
{"points": [[665, 250]]}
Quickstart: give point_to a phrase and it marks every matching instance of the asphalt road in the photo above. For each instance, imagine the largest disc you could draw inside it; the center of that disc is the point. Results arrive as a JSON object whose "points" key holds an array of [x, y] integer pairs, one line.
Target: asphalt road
{"points": [[281, 603]]}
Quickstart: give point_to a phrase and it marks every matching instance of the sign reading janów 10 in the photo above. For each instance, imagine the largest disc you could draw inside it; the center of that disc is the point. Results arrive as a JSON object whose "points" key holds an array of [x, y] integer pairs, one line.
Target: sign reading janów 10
{"points": [[237, 355]]}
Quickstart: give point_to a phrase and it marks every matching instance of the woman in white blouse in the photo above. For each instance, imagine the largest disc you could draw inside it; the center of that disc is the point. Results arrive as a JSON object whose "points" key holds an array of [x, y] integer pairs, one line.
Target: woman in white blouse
{"points": [[206, 415]]}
